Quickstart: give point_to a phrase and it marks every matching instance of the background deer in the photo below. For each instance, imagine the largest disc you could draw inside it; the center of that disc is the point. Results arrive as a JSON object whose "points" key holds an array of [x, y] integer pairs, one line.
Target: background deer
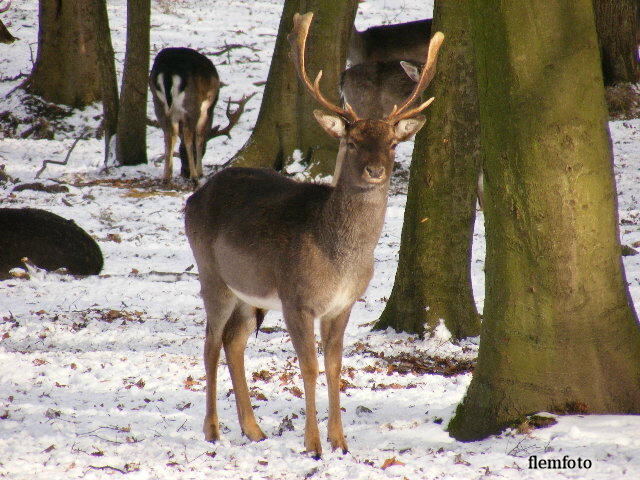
{"points": [[262, 241], [372, 90], [402, 41], [185, 87]]}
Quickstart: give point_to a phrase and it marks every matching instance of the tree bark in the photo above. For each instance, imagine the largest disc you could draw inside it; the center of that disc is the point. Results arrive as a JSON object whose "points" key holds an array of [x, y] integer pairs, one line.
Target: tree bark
{"points": [[107, 69], [433, 280], [559, 327], [617, 27], [285, 122], [66, 70], [131, 144]]}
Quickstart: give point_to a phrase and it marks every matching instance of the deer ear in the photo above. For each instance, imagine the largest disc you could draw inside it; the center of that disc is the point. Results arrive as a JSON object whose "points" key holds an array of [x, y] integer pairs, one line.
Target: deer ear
{"points": [[331, 124], [412, 71], [408, 127]]}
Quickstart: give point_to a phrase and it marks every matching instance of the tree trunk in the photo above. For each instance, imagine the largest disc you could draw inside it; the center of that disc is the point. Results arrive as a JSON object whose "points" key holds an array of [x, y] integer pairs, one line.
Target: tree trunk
{"points": [[131, 145], [559, 327], [433, 280], [285, 122], [107, 69], [66, 64], [617, 26]]}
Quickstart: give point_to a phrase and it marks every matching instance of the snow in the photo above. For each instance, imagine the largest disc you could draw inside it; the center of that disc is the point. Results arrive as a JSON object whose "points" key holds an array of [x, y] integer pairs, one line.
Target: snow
{"points": [[103, 375]]}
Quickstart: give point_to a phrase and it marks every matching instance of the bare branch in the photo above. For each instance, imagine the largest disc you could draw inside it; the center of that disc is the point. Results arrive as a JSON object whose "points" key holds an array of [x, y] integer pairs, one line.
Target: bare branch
{"points": [[64, 162], [4, 9]]}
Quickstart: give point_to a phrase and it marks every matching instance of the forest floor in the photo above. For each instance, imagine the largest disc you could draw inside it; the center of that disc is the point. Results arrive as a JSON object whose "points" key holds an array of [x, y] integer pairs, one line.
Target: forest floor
{"points": [[102, 376]]}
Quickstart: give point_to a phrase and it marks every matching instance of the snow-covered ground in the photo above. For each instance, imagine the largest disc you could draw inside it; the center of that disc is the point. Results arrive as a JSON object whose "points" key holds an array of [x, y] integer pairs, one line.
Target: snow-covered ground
{"points": [[103, 376]]}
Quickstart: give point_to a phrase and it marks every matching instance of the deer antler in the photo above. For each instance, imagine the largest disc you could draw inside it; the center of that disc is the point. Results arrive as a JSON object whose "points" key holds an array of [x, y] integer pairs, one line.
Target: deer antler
{"points": [[4, 9], [298, 40], [429, 70], [233, 117]]}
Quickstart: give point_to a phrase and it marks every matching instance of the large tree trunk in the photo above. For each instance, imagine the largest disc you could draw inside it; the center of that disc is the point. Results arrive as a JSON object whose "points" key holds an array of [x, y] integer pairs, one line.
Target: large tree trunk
{"points": [[433, 280], [285, 122], [131, 144], [617, 27], [107, 69], [559, 327], [66, 64]]}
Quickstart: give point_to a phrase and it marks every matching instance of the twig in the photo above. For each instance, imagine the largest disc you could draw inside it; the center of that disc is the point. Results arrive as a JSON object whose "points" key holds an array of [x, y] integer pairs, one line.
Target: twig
{"points": [[64, 162], [232, 46], [109, 467]]}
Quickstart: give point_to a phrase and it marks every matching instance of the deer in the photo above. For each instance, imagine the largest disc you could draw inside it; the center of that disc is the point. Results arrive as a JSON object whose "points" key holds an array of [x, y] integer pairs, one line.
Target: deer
{"points": [[185, 87], [263, 241], [401, 41]]}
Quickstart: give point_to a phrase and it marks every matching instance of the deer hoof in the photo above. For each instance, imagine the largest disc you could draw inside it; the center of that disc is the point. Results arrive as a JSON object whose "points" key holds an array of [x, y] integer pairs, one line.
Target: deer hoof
{"points": [[314, 448], [211, 431], [254, 434], [339, 444]]}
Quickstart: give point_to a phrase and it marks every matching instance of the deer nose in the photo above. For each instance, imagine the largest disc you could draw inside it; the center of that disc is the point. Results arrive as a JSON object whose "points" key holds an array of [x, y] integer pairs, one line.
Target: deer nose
{"points": [[375, 173]]}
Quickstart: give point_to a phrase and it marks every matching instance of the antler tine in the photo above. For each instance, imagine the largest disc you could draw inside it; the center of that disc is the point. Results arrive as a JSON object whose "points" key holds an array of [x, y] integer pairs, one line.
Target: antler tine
{"points": [[232, 117], [298, 40], [428, 72]]}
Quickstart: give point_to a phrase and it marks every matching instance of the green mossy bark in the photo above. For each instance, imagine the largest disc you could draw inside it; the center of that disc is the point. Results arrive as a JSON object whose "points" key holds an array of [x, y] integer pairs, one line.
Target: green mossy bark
{"points": [[285, 122], [433, 280], [559, 326]]}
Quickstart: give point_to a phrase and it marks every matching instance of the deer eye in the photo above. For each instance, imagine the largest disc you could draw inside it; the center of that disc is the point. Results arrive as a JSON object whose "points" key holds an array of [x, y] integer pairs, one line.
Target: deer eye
{"points": [[393, 145], [351, 146]]}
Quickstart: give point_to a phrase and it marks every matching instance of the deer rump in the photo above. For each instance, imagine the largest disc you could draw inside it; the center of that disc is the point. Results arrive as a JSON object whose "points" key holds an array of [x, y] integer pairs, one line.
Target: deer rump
{"points": [[175, 103]]}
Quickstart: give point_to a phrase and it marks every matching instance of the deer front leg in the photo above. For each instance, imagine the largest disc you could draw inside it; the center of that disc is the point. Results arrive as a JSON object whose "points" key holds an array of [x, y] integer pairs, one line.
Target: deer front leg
{"points": [[332, 332], [219, 303], [235, 336], [300, 326]]}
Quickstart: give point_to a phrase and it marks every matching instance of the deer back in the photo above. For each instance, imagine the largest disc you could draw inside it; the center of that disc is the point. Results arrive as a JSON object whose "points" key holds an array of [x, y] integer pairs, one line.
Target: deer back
{"points": [[401, 41]]}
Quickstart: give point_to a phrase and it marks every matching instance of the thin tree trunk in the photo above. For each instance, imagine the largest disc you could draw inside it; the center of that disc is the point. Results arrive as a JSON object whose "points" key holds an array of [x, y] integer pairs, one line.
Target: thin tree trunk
{"points": [[559, 327], [107, 69], [285, 122], [617, 27], [131, 146], [66, 64], [433, 280]]}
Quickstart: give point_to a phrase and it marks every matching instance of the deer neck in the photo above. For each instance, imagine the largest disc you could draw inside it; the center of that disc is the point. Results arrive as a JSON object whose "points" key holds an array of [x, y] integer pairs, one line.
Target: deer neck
{"points": [[353, 218]]}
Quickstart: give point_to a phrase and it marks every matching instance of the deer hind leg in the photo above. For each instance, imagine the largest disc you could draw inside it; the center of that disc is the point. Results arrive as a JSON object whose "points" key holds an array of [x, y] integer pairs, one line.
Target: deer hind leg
{"points": [[219, 303], [300, 326], [188, 138], [170, 136], [236, 333], [332, 332]]}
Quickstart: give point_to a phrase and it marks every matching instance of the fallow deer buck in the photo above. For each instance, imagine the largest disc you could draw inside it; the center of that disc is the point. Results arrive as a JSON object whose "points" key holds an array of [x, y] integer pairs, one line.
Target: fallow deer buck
{"points": [[263, 241], [185, 88]]}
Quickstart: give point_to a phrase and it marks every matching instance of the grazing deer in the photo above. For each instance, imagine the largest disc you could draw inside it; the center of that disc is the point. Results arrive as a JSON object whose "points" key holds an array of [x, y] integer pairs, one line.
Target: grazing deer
{"points": [[185, 87], [402, 41], [265, 242]]}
